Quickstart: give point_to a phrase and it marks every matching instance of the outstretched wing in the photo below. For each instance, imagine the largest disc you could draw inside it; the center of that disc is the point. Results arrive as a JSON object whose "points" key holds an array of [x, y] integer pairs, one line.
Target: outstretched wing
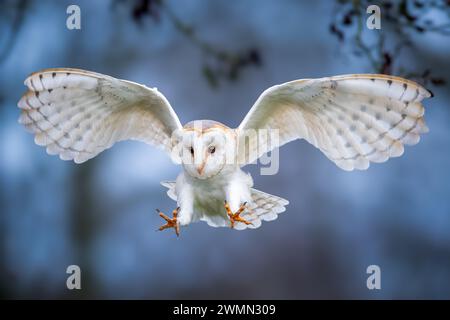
{"points": [[78, 114], [352, 119]]}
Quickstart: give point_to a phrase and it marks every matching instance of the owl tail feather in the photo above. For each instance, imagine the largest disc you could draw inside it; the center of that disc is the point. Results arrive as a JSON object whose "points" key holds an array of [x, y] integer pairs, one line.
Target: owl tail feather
{"points": [[263, 207]]}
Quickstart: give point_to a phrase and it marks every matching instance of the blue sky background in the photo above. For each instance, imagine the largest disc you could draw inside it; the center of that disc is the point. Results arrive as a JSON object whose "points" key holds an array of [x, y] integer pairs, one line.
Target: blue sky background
{"points": [[102, 217]]}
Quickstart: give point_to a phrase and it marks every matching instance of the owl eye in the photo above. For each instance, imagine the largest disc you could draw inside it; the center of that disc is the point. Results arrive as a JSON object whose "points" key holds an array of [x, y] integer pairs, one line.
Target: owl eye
{"points": [[191, 150], [212, 149]]}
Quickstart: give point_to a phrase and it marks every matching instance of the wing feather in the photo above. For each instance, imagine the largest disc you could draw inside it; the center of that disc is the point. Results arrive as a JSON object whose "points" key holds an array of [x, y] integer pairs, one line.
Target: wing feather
{"points": [[352, 119], [78, 114]]}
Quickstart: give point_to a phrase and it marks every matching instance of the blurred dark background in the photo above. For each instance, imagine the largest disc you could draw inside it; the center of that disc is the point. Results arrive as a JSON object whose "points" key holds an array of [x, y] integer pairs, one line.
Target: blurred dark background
{"points": [[212, 59]]}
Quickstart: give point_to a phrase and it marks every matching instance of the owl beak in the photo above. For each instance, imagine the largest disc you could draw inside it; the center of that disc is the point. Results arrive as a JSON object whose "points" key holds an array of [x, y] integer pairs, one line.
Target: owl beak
{"points": [[201, 167]]}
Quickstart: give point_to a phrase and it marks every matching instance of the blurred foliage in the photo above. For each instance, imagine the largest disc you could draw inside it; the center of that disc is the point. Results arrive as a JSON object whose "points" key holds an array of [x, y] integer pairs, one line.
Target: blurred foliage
{"points": [[12, 13], [403, 19], [220, 64]]}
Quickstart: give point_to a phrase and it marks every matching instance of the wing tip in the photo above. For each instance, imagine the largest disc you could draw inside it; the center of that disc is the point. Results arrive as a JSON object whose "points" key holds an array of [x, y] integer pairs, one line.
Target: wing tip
{"points": [[65, 70]]}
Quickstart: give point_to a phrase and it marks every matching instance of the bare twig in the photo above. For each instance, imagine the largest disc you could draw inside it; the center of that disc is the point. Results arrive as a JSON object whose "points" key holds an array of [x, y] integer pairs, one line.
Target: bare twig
{"points": [[220, 64], [404, 18]]}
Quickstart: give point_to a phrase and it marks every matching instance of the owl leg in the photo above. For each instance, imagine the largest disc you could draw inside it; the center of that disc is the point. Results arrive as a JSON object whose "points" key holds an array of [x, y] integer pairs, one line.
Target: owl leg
{"points": [[235, 217], [171, 222]]}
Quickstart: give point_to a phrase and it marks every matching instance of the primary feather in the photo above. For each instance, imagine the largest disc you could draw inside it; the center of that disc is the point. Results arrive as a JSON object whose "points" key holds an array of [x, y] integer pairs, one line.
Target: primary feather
{"points": [[352, 119], [78, 114]]}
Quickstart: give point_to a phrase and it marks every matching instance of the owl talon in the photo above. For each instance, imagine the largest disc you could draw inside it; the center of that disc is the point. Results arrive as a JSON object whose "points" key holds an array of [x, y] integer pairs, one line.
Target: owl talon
{"points": [[171, 222], [235, 217]]}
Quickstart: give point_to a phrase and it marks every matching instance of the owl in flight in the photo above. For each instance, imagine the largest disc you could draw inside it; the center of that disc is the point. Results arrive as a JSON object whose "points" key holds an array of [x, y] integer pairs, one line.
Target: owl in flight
{"points": [[353, 119]]}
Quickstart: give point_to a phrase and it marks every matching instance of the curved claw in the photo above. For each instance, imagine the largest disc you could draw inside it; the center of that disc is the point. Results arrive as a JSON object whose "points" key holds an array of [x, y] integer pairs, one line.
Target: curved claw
{"points": [[170, 222], [235, 217]]}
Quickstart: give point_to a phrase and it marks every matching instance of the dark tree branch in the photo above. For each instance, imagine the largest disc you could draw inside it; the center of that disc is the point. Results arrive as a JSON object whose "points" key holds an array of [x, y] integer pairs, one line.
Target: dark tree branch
{"points": [[403, 19], [219, 63]]}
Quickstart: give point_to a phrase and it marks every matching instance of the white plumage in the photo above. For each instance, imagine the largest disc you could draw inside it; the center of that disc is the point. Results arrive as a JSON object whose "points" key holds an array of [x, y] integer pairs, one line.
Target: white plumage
{"points": [[262, 207], [352, 119], [78, 114]]}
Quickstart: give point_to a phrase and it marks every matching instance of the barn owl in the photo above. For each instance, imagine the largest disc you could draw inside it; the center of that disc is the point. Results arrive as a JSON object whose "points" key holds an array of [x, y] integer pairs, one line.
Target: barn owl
{"points": [[353, 119]]}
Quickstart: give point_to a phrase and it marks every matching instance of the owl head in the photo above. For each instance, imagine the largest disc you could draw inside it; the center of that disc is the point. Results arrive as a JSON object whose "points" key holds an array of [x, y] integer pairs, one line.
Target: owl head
{"points": [[205, 148]]}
